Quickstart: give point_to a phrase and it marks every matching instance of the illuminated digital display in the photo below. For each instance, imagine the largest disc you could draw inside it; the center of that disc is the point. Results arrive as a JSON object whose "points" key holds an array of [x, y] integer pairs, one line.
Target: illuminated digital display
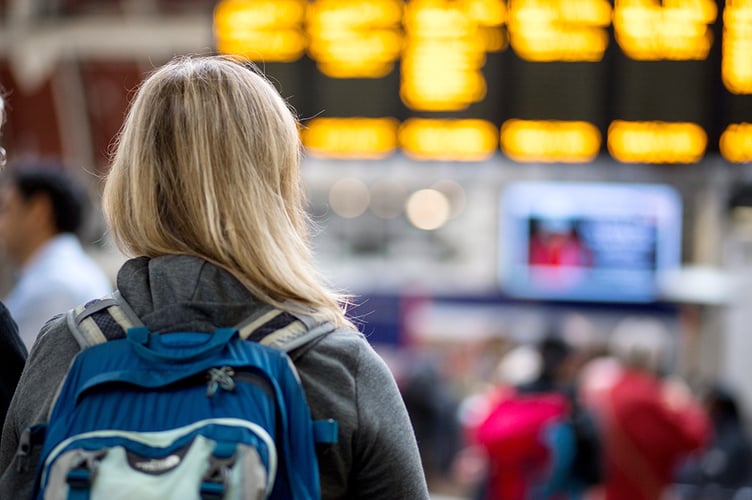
{"points": [[588, 241], [644, 81]]}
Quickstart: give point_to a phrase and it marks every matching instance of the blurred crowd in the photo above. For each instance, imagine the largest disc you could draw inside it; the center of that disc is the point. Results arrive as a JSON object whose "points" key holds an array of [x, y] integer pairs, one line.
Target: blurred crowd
{"points": [[555, 420]]}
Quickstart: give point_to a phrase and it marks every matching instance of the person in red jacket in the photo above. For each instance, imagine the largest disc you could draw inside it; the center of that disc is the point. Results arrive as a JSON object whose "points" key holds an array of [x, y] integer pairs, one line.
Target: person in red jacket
{"points": [[649, 423]]}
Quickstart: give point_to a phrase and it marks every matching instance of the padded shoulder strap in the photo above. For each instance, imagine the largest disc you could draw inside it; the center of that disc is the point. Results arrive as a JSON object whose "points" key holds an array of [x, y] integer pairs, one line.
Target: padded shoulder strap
{"points": [[89, 328], [281, 329]]}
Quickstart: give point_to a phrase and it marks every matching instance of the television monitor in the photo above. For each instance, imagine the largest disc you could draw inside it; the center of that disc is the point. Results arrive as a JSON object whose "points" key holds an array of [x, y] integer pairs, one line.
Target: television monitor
{"points": [[605, 242]]}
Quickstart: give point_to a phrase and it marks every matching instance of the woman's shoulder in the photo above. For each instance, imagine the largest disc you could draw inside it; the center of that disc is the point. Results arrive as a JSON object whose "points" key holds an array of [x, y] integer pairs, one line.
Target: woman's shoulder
{"points": [[55, 345], [344, 342], [343, 349], [46, 366], [55, 330]]}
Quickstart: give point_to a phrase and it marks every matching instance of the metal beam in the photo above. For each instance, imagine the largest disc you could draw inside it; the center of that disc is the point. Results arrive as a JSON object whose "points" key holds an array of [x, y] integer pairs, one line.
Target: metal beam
{"points": [[33, 46]]}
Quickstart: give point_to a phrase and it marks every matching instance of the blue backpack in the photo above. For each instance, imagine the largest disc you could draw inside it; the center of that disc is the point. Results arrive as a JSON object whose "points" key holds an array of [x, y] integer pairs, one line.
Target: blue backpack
{"points": [[187, 415]]}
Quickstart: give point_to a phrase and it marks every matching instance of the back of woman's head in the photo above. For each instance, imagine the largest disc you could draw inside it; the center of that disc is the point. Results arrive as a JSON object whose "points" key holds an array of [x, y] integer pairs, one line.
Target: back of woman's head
{"points": [[207, 164]]}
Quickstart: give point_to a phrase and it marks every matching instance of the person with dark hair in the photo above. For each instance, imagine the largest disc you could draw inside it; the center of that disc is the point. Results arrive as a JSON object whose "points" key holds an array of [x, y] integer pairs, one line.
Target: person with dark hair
{"points": [[12, 350], [540, 442], [42, 207]]}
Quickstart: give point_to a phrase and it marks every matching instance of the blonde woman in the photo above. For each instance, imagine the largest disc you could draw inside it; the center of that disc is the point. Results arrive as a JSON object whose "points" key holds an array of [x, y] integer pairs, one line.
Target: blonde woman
{"points": [[204, 192]]}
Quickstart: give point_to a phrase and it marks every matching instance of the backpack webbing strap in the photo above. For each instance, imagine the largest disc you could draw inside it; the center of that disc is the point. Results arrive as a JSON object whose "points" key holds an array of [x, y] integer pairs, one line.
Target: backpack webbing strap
{"points": [[281, 329], [88, 327], [296, 335], [89, 322], [266, 319]]}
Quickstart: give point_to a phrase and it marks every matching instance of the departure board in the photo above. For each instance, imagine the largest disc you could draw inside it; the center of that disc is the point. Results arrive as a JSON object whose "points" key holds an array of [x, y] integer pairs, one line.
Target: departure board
{"points": [[564, 81]]}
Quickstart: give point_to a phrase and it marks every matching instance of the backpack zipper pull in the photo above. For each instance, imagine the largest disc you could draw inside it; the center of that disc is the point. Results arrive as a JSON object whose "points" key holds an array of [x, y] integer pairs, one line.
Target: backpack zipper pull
{"points": [[23, 451], [219, 377], [30, 439]]}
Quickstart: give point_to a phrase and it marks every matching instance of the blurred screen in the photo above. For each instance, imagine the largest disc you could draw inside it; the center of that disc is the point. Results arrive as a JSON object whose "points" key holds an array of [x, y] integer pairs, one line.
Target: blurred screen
{"points": [[588, 241]]}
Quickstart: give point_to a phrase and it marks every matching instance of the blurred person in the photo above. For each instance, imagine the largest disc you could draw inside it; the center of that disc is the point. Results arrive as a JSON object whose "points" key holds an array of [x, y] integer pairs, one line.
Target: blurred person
{"points": [[42, 208], [12, 359], [204, 193], [539, 442], [500, 434], [12, 350], [432, 405], [573, 441], [724, 466], [516, 364], [649, 422]]}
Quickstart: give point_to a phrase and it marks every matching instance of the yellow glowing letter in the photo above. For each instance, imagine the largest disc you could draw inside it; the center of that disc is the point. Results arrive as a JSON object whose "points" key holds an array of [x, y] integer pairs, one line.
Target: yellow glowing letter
{"points": [[446, 47], [262, 30], [736, 65], [371, 138], [355, 38], [450, 140], [559, 30], [550, 141], [647, 30], [736, 143], [656, 142]]}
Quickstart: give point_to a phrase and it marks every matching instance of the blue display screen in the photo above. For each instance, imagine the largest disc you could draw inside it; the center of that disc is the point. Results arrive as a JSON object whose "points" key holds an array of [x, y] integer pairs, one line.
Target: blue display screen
{"points": [[588, 241]]}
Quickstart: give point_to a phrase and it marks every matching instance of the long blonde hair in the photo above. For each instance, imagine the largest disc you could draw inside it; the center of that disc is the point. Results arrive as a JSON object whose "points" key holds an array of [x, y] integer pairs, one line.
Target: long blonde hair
{"points": [[207, 164]]}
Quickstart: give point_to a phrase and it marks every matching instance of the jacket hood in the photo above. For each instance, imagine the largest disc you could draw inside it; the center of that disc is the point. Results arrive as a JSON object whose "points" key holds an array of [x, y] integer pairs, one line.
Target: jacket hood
{"points": [[183, 293]]}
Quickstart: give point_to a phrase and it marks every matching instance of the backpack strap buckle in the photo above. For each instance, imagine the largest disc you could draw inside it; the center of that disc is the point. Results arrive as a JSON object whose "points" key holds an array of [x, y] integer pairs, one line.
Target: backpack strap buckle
{"points": [[84, 468], [217, 477]]}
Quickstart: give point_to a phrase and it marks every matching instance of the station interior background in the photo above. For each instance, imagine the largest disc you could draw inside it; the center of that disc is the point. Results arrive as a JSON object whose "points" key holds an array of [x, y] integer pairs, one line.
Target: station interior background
{"points": [[423, 244]]}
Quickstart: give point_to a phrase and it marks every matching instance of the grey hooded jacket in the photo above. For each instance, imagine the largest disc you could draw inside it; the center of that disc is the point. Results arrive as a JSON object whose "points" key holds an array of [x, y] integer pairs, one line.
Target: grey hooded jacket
{"points": [[376, 455]]}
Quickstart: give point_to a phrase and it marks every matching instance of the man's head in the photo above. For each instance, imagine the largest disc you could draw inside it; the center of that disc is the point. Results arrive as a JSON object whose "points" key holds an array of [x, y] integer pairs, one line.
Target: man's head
{"points": [[643, 343], [37, 202], [555, 352]]}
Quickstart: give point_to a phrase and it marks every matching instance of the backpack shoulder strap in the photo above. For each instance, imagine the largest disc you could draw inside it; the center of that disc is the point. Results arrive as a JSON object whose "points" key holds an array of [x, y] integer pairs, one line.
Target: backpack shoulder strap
{"points": [[90, 328], [111, 316], [281, 329], [287, 332]]}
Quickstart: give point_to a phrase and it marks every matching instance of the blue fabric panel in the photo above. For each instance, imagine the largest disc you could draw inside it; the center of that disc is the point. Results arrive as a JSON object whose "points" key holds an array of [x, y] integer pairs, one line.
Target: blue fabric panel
{"points": [[325, 431]]}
